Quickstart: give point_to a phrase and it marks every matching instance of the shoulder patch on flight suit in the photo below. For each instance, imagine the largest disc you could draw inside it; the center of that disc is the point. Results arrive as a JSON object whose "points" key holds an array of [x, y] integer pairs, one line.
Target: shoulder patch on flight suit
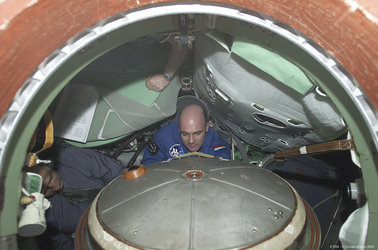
{"points": [[152, 147]]}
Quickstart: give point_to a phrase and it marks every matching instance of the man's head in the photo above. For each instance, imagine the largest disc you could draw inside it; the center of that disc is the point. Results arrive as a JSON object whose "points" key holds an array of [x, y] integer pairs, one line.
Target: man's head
{"points": [[51, 181], [193, 126]]}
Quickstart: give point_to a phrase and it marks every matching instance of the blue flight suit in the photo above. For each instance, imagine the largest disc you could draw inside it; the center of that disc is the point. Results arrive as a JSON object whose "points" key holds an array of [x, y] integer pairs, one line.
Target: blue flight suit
{"points": [[169, 145], [78, 168]]}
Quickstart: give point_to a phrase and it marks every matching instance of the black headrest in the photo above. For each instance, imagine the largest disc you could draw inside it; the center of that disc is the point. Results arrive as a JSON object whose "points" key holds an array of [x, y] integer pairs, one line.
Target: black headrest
{"points": [[186, 100]]}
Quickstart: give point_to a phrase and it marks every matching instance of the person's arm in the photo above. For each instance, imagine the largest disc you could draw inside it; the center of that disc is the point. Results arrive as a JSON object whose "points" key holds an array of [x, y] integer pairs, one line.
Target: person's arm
{"points": [[176, 57], [61, 220], [63, 215], [87, 168], [53, 239]]}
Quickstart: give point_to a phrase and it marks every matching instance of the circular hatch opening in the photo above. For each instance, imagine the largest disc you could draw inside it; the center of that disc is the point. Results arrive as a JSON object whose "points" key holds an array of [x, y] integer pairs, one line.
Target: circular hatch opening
{"points": [[40, 89]]}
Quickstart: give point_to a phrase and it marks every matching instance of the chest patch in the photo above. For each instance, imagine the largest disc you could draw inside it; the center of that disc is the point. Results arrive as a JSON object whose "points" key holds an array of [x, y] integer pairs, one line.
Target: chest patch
{"points": [[176, 150]]}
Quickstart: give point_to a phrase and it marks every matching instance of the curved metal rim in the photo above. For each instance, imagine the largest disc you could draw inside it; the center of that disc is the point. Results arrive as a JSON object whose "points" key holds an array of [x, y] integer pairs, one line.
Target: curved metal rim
{"points": [[51, 64], [21, 104]]}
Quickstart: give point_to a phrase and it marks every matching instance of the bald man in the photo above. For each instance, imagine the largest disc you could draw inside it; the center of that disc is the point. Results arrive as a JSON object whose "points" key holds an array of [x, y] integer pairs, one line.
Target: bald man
{"points": [[190, 133]]}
